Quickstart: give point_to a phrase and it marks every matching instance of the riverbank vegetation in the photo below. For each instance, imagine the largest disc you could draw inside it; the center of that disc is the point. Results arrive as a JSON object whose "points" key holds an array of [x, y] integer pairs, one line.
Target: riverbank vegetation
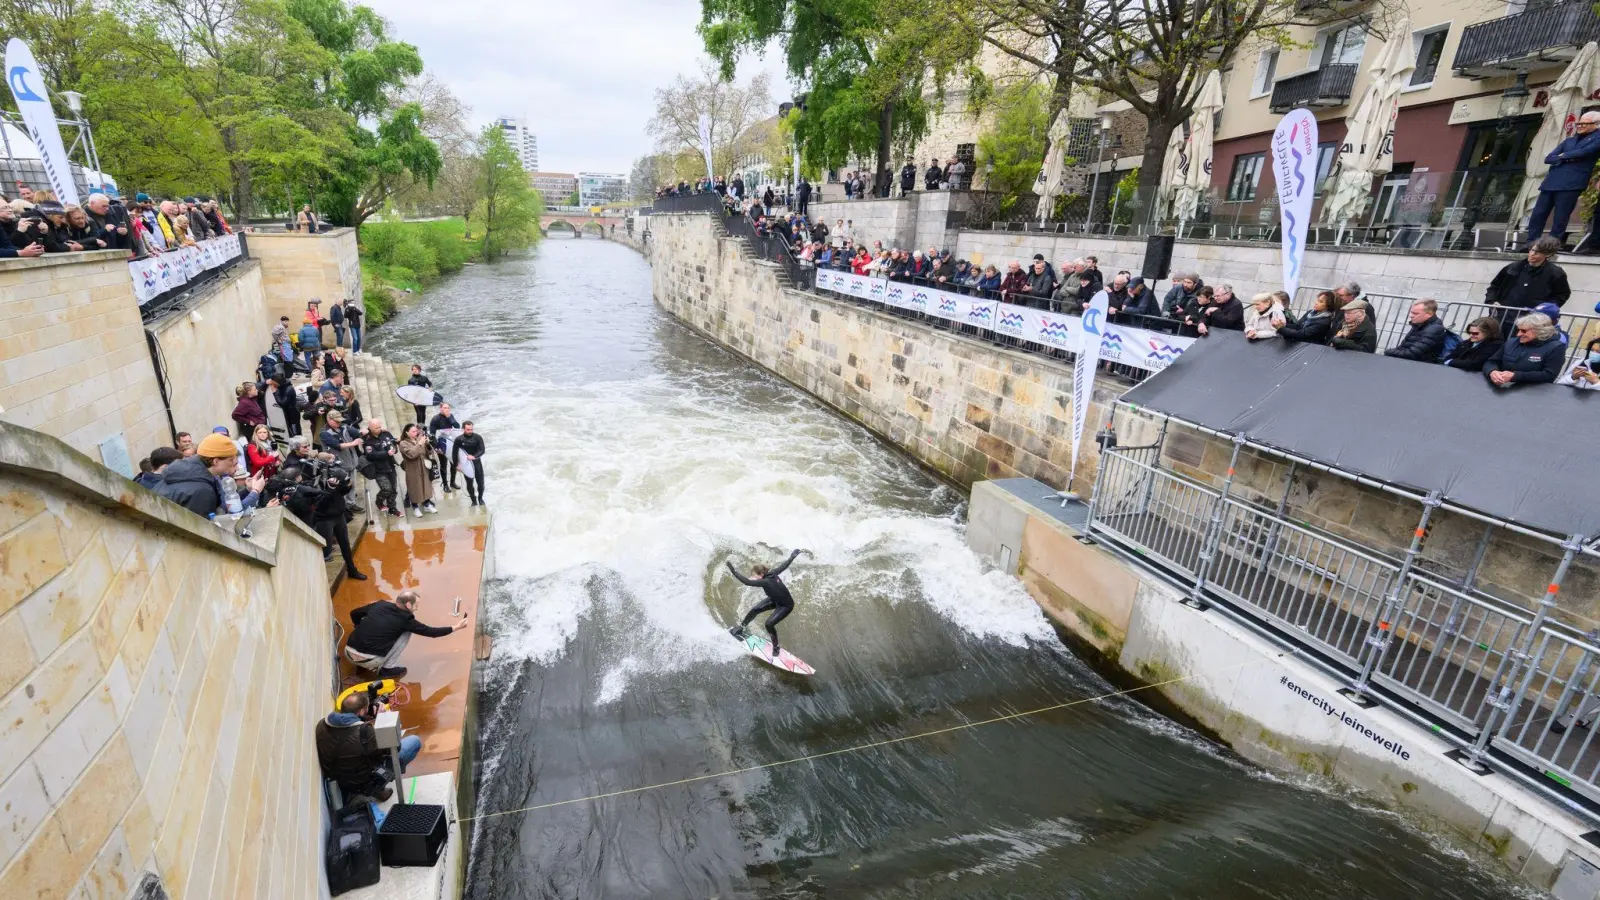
{"points": [[408, 256]]}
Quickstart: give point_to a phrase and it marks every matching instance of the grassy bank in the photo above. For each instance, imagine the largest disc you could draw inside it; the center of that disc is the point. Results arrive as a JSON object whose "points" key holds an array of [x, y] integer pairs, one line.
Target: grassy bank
{"points": [[397, 256]]}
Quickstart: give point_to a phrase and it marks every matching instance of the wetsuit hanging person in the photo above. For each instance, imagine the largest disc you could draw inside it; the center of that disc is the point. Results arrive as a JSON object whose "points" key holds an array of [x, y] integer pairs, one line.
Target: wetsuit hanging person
{"points": [[779, 601]]}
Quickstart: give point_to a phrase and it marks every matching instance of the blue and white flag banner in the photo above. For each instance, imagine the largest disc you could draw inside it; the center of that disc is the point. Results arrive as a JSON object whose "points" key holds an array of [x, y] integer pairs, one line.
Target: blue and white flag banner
{"points": [[1294, 165], [155, 275], [33, 102], [1123, 344], [1092, 336]]}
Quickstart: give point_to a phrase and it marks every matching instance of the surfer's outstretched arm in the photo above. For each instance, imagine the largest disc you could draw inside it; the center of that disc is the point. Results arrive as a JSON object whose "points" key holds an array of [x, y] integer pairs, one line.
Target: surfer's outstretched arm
{"points": [[783, 565], [743, 579]]}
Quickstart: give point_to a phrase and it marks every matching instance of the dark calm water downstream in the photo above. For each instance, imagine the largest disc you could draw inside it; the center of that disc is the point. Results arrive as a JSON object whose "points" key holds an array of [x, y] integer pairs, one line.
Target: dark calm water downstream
{"points": [[628, 460]]}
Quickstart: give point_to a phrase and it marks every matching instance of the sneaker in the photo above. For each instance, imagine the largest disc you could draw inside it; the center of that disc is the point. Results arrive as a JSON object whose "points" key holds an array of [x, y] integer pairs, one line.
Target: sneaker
{"points": [[429, 507], [396, 672], [353, 575], [416, 513]]}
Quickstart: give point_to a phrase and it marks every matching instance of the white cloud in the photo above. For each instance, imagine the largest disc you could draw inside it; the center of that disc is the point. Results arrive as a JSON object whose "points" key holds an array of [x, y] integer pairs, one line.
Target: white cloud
{"points": [[583, 74]]}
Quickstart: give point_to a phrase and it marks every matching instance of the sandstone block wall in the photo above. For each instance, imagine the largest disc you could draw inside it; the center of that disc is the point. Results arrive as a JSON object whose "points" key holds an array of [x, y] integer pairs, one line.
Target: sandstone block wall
{"points": [[298, 266], [73, 358], [962, 406], [159, 683], [207, 359]]}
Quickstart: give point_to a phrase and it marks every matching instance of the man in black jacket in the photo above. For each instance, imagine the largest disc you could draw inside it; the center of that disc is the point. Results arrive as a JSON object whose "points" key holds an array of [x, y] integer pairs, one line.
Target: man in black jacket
{"points": [[470, 445], [1181, 294], [1526, 283], [908, 178], [802, 198], [444, 420], [377, 451], [348, 751], [930, 178], [1425, 339], [112, 224], [1357, 332], [192, 482], [382, 630]]}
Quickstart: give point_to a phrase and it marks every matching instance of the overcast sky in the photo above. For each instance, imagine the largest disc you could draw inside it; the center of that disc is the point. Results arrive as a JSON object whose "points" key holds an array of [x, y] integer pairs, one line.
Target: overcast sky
{"points": [[582, 72]]}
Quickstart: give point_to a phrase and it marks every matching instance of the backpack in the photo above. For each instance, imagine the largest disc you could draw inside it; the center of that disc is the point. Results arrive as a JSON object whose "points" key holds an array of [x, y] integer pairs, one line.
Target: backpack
{"points": [[1451, 342], [350, 853]]}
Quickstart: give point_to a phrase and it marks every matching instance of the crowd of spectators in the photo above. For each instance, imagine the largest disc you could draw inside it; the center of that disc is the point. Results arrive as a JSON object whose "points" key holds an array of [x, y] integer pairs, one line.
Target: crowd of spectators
{"points": [[36, 222]]}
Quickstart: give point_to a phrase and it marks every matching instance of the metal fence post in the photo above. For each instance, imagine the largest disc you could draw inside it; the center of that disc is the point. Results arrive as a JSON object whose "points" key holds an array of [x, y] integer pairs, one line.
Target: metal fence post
{"points": [[1213, 537], [1107, 459], [1394, 602], [1501, 697], [1271, 543]]}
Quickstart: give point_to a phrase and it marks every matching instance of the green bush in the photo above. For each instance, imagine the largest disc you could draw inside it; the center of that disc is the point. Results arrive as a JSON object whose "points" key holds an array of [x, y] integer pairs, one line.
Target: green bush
{"points": [[409, 256]]}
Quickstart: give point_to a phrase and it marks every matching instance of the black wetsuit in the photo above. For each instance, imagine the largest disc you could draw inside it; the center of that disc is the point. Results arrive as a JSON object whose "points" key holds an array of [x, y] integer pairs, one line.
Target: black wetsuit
{"points": [[778, 599]]}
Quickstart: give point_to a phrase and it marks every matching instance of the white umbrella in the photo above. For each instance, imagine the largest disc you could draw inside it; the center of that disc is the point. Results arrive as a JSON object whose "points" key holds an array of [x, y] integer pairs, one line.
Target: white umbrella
{"points": [[1580, 80], [1174, 170], [1202, 133], [1368, 149], [1048, 184]]}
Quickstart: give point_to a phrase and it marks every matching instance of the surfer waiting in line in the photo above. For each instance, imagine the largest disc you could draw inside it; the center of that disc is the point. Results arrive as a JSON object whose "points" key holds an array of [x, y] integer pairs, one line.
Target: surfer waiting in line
{"points": [[779, 600]]}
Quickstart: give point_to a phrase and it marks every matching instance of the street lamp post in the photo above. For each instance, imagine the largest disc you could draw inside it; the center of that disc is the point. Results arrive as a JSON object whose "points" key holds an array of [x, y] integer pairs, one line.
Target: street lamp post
{"points": [[1099, 160]]}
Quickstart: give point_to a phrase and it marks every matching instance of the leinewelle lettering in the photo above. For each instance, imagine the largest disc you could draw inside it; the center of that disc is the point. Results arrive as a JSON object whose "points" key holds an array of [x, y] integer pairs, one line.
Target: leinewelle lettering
{"points": [[1393, 746]]}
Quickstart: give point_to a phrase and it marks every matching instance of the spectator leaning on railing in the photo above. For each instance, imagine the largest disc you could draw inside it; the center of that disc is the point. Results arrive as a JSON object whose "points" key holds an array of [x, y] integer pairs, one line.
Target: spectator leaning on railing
{"points": [[1479, 343], [1526, 283], [1181, 294], [1424, 341], [1585, 373], [1357, 332], [1261, 320], [1533, 356]]}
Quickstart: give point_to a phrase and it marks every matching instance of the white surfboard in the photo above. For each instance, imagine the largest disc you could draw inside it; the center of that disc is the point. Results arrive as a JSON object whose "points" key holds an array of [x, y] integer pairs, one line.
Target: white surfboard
{"points": [[417, 395], [761, 648]]}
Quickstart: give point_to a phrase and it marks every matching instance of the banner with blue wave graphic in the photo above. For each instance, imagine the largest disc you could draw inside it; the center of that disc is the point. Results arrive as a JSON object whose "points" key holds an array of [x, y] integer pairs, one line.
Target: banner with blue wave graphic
{"points": [[1123, 344], [1294, 165]]}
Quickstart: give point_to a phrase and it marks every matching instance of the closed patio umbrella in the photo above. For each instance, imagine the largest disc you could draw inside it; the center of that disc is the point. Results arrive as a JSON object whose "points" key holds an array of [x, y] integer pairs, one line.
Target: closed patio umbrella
{"points": [[1174, 173], [1202, 134], [1368, 149], [1048, 184], [1580, 80]]}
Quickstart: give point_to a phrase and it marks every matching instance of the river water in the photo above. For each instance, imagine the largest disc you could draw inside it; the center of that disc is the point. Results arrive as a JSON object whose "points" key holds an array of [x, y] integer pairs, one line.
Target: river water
{"points": [[628, 460]]}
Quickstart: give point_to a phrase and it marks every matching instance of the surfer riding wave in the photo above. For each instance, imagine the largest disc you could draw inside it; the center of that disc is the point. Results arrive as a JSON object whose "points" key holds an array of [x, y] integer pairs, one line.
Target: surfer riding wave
{"points": [[779, 601]]}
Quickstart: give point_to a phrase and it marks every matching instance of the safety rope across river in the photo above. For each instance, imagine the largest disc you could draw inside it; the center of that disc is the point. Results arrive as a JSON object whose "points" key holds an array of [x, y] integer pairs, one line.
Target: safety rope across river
{"points": [[812, 757]]}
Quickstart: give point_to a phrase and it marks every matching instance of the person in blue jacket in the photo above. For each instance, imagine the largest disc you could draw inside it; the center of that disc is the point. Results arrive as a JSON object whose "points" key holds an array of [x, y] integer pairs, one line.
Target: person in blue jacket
{"points": [[1535, 355], [1571, 163]]}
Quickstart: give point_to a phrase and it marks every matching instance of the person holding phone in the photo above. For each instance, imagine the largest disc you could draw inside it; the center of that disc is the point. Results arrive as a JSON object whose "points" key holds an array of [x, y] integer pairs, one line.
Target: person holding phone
{"points": [[1584, 373]]}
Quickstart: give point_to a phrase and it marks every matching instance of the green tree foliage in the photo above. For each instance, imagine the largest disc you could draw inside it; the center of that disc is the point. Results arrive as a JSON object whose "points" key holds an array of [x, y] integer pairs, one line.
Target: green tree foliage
{"points": [[863, 80], [1017, 144], [510, 209], [365, 71]]}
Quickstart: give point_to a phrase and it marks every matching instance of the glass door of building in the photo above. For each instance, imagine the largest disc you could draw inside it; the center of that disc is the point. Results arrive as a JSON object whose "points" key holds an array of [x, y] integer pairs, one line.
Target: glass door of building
{"points": [[1493, 160]]}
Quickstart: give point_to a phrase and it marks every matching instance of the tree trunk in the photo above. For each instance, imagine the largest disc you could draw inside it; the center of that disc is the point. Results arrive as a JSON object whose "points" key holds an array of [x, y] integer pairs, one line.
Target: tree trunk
{"points": [[239, 172], [885, 132], [1159, 127], [1065, 64]]}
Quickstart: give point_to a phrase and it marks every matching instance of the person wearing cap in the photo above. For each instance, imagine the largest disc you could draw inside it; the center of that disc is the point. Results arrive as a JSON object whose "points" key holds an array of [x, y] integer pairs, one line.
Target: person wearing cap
{"points": [[193, 482], [1140, 301], [1554, 313], [1041, 283]]}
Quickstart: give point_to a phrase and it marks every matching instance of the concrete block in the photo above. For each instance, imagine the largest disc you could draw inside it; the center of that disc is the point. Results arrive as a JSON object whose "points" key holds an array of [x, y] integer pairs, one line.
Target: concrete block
{"points": [[56, 611], [67, 752], [30, 555], [23, 807], [97, 802], [36, 706]]}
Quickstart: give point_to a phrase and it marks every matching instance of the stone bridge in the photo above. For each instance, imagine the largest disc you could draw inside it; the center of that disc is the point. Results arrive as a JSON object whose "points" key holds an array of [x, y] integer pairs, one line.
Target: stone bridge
{"points": [[579, 223]]}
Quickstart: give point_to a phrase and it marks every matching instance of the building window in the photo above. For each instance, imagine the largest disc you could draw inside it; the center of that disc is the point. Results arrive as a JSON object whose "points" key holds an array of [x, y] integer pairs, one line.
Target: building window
{"points": [[1246, 175], [1326, 153], [1430, 47], [1266, 68], [1342, 46]]}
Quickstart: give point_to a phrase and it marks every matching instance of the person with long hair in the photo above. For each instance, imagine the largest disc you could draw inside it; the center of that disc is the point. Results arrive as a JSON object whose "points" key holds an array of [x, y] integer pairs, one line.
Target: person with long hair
{"points": [[415, 454]]}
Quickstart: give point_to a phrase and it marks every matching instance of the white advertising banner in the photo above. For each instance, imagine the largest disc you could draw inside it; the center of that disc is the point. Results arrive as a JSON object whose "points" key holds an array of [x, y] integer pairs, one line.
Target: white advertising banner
{"points": [[1124, 344], [1092, 327], [1294, 165], [155, 275], [33, 102]]}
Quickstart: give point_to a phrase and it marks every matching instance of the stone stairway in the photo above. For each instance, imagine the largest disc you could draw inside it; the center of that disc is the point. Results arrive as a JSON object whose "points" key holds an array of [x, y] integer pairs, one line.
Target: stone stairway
{"points": [[375, 381]]}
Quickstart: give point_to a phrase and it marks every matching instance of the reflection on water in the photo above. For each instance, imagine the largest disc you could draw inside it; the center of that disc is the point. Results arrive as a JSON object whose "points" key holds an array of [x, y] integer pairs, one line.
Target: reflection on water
{"points": [[629, 460]]}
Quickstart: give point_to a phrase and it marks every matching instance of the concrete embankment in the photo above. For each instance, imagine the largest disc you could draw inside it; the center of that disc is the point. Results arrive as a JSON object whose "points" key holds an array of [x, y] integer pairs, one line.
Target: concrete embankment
{"points": [[973, 411]]}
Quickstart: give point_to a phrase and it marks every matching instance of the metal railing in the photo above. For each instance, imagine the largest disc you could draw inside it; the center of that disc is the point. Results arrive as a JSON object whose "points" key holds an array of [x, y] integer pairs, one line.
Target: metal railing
{"points": [[1331, 85], [1511, 684], [1498, 45], [1391, 311]]}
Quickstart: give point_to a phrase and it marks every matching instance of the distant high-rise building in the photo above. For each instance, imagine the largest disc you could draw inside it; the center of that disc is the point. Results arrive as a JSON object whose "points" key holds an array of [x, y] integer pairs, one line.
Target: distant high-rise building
{"points": [[598, 189], [523, 140]]}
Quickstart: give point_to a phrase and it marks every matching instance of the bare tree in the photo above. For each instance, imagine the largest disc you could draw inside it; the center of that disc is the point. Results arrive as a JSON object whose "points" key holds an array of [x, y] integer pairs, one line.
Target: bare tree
{"points": [[732, 109]]}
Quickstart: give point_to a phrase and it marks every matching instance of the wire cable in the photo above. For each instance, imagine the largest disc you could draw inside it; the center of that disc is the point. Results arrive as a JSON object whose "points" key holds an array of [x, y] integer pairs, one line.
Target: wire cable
{"points": [[812, 757]]}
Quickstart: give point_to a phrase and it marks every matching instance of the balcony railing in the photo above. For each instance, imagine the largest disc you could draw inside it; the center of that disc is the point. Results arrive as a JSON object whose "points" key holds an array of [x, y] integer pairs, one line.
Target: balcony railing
{"points": [[1330, 85], [1549, 33]]}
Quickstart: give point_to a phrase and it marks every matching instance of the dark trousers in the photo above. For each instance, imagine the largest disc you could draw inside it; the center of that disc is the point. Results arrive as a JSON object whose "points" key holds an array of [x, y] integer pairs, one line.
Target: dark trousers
{"points": [[291, 421], [475, 482], [386, 490], [334, 533], [802, 205], [1557, 206], [422, 414], [771, 624], [447, 471]]}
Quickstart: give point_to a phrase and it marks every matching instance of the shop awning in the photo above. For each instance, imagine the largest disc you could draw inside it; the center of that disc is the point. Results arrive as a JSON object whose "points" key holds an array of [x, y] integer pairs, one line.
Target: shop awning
{"points": [[1526, 455]]}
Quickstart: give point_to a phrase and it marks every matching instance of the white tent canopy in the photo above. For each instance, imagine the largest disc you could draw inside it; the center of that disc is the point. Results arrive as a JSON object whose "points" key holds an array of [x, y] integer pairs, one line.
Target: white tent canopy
{"points": [[1048, 184]]}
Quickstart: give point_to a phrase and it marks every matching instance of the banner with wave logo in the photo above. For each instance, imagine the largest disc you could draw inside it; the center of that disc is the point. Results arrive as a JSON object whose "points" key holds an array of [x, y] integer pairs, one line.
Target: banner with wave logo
{"points": [[1124, 344], [155, 275], [1294, 165], [33, 103]]}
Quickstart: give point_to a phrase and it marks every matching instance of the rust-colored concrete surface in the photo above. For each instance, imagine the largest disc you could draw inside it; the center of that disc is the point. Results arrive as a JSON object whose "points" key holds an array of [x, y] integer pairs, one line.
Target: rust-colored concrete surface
{"points": [[440, 564]]}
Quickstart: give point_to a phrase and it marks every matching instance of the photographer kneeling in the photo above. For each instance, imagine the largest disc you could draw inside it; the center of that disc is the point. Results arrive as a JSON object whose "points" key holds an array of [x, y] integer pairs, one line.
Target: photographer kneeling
{"points": [[314, 488], [348, 752]]}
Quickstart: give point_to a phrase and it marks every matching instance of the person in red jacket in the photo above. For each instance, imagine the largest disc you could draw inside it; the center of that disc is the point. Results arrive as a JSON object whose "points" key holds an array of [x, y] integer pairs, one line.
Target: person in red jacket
{"points": [[261, 457], [1015, 284]]}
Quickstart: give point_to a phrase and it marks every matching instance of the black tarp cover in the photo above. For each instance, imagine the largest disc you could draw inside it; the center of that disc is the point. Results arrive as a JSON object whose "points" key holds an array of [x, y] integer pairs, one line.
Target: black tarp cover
{"points": [[1529, 454]]}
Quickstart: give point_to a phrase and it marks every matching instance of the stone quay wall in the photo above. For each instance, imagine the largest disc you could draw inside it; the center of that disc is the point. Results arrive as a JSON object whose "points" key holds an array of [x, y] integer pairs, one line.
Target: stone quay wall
{"points": [[297, 266], [964, 407], [159, 685]]}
